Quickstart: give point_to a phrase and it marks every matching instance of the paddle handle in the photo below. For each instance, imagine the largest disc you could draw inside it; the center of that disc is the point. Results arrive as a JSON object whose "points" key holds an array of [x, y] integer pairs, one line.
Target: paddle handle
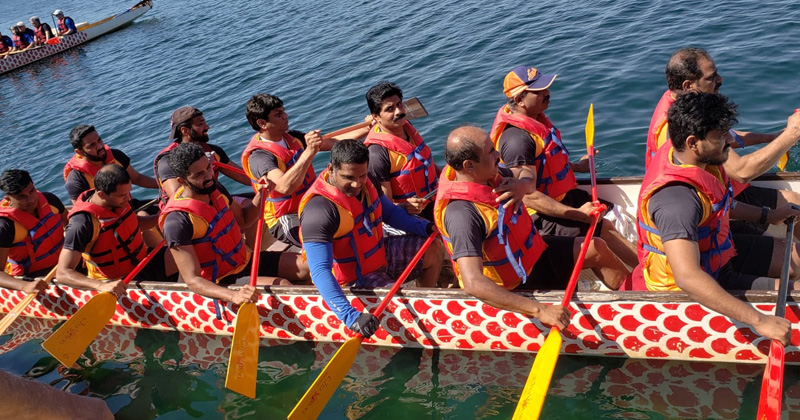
{"points": [[257, 245], [144, 262], [783, 288], [229, 167], [340, 131], [576, 271], [404, 275]]}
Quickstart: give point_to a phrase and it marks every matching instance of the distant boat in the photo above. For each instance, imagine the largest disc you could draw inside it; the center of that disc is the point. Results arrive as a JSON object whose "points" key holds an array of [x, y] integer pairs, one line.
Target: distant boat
{"points": [[86, 32]]}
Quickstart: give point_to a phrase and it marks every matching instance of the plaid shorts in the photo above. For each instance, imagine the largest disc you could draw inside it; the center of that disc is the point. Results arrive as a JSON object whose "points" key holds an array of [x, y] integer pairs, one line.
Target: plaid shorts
{"points": [[400, 250]]}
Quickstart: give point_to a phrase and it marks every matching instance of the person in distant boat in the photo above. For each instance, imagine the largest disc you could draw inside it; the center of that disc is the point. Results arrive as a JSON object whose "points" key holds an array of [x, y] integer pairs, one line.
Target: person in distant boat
{"points": [[42, 32], [104, 231], [341, 223], [31, 231], [6, 45], [201, 227], [481, 231], [693, 69], [685, 205], [528, 141], [188, 125], [285, 158], [66, 26], [24, 37]]}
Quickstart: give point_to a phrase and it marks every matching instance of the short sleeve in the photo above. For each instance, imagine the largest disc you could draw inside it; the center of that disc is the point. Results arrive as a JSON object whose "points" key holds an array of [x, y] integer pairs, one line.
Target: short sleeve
{"points": [[517, 148], [379, 166], [466, 229], [79, 232], [319, 220], [676, 211]]}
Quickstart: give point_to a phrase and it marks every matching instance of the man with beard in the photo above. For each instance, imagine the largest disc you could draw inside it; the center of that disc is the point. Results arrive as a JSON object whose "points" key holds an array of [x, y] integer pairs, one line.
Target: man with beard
{"points": [[104, 231], [684, 210], [528, 142], [201, 227], [693, 69], [188, 125], [90, 155], [31, 231]]}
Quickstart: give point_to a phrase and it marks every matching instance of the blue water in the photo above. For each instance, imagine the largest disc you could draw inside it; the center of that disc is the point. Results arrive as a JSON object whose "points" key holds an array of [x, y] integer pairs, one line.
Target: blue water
{"points": [[321, 58]]}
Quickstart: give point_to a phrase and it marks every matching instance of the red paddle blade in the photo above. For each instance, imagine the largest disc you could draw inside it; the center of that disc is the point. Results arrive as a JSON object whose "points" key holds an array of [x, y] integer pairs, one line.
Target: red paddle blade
{"points": [[769, 404], [53, 41]]}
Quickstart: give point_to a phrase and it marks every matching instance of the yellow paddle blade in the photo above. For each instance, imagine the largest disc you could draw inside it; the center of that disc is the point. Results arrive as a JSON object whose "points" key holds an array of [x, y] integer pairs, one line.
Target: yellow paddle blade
{"points": [[783, 161], [71, 340], [243, 363], [17, 310], [312, 403], [532, 398], [590, 127]]}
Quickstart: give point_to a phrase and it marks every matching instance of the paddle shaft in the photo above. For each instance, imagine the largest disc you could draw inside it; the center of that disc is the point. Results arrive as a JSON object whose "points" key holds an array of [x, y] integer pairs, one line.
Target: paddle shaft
{"points": [[17, 310], [404, 275], [139, 267], [257, 245], [783, 288]]}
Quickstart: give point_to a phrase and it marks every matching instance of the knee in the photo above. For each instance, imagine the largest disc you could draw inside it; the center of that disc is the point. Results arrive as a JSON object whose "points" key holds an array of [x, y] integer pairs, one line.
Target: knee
{"points": [[435, 251], [598, 250]]}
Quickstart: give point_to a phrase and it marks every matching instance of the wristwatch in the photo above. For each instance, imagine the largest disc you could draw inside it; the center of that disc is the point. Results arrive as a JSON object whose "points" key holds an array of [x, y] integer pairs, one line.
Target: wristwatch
{"points": [[764, 213]]}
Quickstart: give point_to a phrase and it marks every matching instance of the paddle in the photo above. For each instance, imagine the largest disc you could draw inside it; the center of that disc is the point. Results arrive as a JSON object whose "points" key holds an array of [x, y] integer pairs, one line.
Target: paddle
{"points": [[533, 395], [769, 403], [314, 400], [414, 110], [242, 365], [17, 310], [72, 338]]}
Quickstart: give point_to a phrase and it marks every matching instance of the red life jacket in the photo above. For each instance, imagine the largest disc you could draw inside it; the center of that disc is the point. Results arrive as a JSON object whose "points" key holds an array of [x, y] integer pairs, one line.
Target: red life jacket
{"points": [[40, 35], [217, 240], [713, 231], [278, 204], [3, 46], [554, 176], [510, 249], [358, 243], [82, 165], [117, 245], [412, 170], [62, 25], [162, 195], [37, 241], [20, 42]]}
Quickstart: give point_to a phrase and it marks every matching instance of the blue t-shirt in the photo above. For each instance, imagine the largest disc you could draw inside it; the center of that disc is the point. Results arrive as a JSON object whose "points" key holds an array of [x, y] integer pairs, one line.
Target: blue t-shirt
{"points": [[28, 37], [8, 42], [70, 24]]}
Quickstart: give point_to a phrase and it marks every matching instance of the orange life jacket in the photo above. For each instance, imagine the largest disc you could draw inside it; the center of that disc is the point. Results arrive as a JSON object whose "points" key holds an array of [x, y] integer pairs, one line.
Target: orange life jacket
{"points": [[358, 243], [554, 176], [713, 231], [278, 204], [162, 195], [412, 171], [82, 165], [37, 241], [510, 249], [217, 239], [117, 246]]}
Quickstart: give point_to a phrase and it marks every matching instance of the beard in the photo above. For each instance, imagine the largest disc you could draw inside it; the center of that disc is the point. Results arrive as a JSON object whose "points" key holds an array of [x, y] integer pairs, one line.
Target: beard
{"points": [[716, 160], [203, 190], [198, 137], [99, 157]]}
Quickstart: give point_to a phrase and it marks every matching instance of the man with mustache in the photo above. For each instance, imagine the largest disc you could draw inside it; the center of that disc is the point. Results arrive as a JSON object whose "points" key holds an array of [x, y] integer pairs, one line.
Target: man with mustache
{"points": [[201, 227], [528, 142], [90, 155], [693, 69], [188, 125], [403, 165], [685, 206]]}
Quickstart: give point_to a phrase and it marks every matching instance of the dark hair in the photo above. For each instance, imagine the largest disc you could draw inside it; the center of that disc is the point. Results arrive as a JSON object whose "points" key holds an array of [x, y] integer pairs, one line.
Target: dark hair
{"points": [[78, 133], [348, 151], [683, 65], [466, 149], [379, 92], [109, 177], [259, 107], [183, 156], [698, 113], [13, 181]]}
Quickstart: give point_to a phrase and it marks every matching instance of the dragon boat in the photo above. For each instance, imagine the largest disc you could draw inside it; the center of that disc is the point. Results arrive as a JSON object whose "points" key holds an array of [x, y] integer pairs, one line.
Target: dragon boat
{"points": [[86, 32], [632, 324]]}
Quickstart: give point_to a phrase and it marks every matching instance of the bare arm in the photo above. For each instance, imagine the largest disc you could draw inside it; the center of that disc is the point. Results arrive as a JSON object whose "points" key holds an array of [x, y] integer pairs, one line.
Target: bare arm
{"points": [[66, 274], [745, 168], [237, 176], [684, 259], [750, 139], [189, 268], [10, 282], [289, 181], [147, 222], [141, 180], [483, 288], [548, 206]]}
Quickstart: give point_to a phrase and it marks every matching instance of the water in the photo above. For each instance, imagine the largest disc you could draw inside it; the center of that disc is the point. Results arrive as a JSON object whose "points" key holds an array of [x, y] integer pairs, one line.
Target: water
{"points": [[321, 58]]}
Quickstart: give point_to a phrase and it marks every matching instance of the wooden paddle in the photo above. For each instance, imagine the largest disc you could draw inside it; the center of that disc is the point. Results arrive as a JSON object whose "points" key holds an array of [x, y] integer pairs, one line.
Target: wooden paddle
{"points": [[242, 365], [769, 403], [72, 338], [533, 395], [414, 110], [311, 405], [17, 310]]}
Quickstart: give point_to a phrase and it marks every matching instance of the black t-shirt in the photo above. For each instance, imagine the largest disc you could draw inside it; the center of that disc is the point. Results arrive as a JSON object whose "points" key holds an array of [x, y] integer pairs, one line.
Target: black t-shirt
{"points": [[517, 148], [164, 172], [178, 228], [380, 168], [320, 218], [676, 211], [7, 229], [77, 183]]}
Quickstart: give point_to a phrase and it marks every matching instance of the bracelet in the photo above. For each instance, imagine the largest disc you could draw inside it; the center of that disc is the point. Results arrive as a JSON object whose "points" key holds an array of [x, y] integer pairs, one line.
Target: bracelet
{"points": [[764, 213], [736, 137]]}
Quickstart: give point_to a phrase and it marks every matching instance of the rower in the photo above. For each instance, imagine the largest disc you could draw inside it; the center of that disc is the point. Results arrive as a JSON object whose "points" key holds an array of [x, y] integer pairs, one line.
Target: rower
{"points": [[527, 140], [693, 69], [201, 227], [104, 231], [684, 211], [31, 231], [24, 37], [43, 32], [6, 45], [481, 230], [341, 223], [66, 26]]}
